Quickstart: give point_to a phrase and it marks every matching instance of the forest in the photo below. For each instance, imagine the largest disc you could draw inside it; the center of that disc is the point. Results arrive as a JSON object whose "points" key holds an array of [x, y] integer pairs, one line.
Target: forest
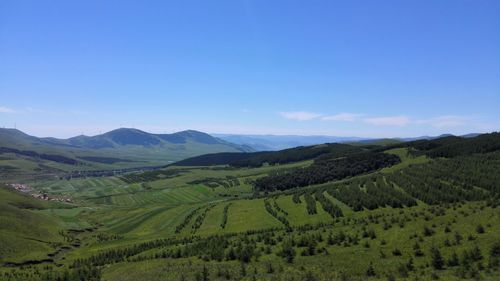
{"points": [[257, 159], [327, 169]]}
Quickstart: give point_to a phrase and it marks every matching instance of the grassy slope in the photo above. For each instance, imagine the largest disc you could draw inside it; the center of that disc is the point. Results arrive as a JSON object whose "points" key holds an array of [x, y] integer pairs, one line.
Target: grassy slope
{"points": [[406, 159], [26, 234]]}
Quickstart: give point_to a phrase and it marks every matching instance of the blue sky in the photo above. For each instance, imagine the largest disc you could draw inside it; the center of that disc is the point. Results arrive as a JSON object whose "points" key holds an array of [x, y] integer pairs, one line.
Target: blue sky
{"points": [[345, 68]]}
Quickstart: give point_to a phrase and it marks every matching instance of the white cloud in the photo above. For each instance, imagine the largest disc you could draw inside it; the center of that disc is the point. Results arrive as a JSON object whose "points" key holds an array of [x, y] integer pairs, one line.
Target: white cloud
{"points": [[300, 115], [388, 121], [346, 117], [440, 122], [444, 121], [4, 109]]}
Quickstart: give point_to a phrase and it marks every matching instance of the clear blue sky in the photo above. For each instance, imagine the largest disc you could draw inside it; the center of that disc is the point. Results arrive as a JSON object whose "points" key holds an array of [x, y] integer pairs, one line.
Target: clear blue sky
{"points": [[348, 68]]}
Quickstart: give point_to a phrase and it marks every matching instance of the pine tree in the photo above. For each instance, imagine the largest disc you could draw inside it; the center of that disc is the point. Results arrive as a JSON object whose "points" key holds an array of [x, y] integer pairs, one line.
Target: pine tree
{"points": [[453, 260], [437, 260], [205, 274], [288, 252], [370, 271]]}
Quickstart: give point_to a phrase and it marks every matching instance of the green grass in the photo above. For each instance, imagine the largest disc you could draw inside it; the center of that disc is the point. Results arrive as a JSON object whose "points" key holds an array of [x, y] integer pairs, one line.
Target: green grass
{"points": [[297, 213], [406, 159], [249, 214], [26, 234]]}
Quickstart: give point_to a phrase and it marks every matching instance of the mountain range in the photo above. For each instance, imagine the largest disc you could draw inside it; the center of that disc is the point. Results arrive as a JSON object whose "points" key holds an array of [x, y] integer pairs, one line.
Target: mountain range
{"points": [[128, 148], [120, 148], [280, 142]]}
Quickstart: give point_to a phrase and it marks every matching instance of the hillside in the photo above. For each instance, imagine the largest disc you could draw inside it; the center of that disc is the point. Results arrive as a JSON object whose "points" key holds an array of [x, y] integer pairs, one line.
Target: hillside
{"points": [[26, 233], [285, 156], [122, 148]]}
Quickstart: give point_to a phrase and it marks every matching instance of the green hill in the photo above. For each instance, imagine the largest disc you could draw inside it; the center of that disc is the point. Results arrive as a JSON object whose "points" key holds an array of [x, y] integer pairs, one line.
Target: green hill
{"points": [[21, 154]]}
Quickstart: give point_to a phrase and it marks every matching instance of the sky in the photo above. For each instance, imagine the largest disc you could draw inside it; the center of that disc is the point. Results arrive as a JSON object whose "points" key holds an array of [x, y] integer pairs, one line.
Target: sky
{"points": [[372, 68]]}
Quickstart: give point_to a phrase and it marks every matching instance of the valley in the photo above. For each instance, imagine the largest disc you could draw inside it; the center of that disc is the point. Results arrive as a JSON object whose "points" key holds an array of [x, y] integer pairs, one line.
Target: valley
{"points": [[415, 215], [249, 140]]}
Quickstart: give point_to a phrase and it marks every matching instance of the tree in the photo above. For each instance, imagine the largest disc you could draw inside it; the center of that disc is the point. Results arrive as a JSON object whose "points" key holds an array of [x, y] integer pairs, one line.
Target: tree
{"points": [[205, 274], [479, 229], [437, 260], [287, 251], [370, 271], [418, 250], [409, 265], [428, 231], [495, 250], [453, 260]]}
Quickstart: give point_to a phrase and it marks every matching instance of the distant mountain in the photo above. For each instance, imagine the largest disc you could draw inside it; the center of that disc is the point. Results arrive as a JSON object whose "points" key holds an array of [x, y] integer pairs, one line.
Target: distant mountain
{"points": [[128, 136], [120, 148], [472, 135], [278, 142]]}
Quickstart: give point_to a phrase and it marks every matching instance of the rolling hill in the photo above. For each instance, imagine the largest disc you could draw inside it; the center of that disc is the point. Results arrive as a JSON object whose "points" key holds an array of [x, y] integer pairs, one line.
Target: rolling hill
{"points": [[117, 149], [418, 210]]}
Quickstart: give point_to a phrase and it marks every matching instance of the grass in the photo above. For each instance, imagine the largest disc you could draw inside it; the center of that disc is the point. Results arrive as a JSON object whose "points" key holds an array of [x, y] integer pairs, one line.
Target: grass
{"points": [[406, 159], [297, 213], [249, 214], [26, 234]]}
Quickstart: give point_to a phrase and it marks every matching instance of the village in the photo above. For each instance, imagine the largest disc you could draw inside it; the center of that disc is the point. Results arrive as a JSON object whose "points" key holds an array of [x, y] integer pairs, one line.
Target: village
{"points": [[24, 188]]}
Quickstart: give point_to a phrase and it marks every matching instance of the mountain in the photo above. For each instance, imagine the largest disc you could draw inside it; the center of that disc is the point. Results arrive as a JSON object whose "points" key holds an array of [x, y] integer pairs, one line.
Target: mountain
{"points": [[280, 142], [120, 148]]}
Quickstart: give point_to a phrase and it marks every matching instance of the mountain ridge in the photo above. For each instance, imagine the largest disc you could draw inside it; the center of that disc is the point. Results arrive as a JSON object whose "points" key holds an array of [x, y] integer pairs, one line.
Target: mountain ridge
{"points": [[269, 142], [122, 148]]}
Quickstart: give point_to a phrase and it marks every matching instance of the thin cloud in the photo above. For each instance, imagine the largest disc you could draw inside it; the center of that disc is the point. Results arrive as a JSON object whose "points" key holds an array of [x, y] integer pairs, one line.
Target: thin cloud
{"points": [[345, 117], [4, 109], [388, 121], [444, 121], [300, 115]]}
